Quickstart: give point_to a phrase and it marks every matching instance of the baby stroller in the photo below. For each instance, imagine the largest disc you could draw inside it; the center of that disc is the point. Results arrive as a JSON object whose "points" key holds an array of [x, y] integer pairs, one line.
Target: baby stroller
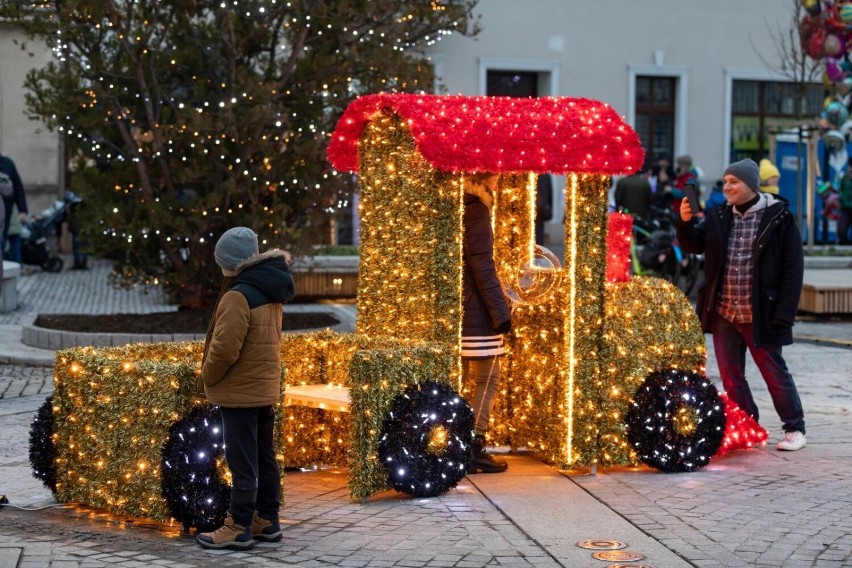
{"points": [[657, 254], [34, 235]]}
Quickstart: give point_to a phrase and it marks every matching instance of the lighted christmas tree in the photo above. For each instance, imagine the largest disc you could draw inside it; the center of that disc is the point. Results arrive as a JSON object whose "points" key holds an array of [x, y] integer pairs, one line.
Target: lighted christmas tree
{"points": [[185, 118]]}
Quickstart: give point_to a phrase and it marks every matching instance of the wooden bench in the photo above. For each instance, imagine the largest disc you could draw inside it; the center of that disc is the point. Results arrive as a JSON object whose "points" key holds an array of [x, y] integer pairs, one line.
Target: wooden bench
{"points": [[827, 291], [324, 396]]}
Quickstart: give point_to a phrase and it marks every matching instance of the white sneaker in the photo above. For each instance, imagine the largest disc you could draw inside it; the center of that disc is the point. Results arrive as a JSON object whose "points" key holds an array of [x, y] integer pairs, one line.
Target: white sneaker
{"points": [[792, 441]]}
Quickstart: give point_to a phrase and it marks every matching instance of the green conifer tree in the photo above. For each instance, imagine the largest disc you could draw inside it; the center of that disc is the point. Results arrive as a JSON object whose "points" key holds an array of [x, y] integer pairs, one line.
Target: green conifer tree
{"points": [[183, 118]]}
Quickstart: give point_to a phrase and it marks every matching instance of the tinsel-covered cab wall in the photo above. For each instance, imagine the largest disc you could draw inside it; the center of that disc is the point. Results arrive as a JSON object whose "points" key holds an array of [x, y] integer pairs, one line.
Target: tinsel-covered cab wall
{"points": [[576, 358]]}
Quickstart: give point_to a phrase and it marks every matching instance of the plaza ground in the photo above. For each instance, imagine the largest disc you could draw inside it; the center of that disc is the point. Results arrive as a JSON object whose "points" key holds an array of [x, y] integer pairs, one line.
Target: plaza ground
{"points": [[758, 507]]}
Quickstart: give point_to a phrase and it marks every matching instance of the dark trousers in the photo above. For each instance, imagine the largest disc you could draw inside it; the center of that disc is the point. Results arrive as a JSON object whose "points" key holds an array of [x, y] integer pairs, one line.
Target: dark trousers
{"points": [[730, 341], [7, 217], [843, 226], [250, 453]]}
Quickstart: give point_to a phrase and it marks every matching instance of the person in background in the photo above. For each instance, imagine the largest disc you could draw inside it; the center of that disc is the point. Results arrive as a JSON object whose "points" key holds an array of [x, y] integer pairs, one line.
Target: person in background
{"points": [[661, 180], [18, 197], [662, 173], [830, 197], [686, 173], [769, 176], [754, 265], [241, 373], [78, 245], [13, 237], [543, 205], [2, 228], [633, 195], [486, 315], [717, 196], [844, 222]]}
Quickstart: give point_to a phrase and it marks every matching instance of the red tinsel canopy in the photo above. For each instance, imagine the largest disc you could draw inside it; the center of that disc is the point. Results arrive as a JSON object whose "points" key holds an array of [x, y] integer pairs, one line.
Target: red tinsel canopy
{"points": [[499, 134]]}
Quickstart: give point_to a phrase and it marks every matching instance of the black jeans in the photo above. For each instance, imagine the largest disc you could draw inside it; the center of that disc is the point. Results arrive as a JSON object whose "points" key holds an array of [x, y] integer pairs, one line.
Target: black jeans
{"points": [[250, 453]]}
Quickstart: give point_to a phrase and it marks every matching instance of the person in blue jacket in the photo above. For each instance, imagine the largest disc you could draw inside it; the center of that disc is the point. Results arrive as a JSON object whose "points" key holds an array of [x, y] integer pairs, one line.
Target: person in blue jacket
{"points": [[716, 197]]}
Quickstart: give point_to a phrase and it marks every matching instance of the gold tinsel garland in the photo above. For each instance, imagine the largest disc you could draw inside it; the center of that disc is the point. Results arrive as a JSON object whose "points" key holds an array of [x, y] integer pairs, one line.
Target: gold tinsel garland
{"points": [[113, 408], [312, 436], [112, 411], [649, 326], [410, 256], [377, 377], [585, 262]]}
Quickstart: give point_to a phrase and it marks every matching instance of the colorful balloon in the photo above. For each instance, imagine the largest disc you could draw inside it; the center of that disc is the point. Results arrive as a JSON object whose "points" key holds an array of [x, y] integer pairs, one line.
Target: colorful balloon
{"points": [[833, 70], [833, 45], [813, 7], [845, 13], [836, 114]]}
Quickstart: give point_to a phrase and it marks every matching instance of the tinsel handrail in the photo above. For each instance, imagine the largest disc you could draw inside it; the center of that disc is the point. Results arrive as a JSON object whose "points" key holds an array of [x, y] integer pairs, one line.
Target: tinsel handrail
{"points": [[499, 134], [323, 396]]}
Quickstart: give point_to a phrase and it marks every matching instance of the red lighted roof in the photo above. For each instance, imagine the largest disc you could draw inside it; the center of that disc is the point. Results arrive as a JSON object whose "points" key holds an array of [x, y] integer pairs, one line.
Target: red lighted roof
{"points": [[499, 134]]}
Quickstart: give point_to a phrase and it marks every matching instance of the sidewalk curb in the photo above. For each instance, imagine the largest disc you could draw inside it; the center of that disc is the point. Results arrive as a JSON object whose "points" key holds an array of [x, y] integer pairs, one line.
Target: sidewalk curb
{"points": [[28, 360], [815, 339], [37, 345]]}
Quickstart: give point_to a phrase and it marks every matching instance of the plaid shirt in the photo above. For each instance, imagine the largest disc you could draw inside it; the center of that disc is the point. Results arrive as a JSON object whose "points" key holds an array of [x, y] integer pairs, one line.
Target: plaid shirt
{"points": [[734, 301]]}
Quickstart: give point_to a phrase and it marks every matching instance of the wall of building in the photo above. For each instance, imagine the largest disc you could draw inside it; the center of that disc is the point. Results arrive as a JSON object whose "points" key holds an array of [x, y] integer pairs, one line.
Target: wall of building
{"points": [[588, 49], [594, 48], [30, 144]]}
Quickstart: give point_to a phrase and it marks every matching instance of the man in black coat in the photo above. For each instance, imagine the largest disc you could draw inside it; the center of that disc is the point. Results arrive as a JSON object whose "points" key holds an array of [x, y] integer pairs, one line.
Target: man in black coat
{"points": [[753, 264], [633, 195]]}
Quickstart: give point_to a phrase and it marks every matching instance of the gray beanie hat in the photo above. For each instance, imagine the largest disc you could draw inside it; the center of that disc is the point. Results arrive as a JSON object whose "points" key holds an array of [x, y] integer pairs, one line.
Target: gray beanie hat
{"points": [[234, 247], [747, 172]]}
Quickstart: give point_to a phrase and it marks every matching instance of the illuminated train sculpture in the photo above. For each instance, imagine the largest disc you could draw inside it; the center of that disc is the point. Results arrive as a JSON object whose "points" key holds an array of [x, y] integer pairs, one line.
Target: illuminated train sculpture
{"points": [[604, 370]]}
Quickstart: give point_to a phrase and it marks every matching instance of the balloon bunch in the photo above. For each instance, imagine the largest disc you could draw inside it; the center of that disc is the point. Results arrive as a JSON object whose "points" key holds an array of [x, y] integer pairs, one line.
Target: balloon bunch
{"points": [[826, 34]]}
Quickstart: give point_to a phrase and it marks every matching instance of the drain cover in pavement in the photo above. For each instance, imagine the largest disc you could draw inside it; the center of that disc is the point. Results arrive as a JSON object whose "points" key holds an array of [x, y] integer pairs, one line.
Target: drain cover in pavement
{"points": [[620, 555], [601, 544]]}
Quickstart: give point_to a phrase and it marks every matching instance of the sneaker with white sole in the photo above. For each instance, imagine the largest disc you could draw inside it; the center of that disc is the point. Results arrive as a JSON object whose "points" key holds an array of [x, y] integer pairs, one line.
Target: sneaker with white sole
{"points": [[792, 441]]}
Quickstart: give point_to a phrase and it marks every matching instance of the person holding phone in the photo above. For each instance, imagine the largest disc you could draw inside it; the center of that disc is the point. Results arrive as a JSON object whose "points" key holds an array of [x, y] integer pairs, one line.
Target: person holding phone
{"points": [[754, 265]]}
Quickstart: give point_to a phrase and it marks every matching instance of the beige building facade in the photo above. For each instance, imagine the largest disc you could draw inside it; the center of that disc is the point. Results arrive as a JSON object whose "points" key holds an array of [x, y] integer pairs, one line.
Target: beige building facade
{"points": [[30, 144], [604, 49], [692, 77]]}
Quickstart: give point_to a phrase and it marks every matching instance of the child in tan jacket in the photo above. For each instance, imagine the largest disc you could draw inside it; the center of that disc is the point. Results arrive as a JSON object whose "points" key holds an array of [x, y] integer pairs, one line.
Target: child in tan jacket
{"points": [[241, 373]]}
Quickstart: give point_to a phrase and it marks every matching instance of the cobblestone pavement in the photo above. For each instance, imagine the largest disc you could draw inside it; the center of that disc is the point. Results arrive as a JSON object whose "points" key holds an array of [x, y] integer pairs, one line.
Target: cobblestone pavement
{"points": [[80, 292], [325, 528], [751, 508], [755, 508], [761, 507]]}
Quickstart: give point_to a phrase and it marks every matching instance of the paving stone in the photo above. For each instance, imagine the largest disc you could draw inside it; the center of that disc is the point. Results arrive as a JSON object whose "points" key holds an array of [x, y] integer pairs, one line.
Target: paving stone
{"points": [[758, 507]]}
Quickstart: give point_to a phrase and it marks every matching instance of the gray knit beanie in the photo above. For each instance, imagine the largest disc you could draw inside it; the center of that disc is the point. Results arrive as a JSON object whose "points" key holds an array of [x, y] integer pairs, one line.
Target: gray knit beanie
{"points": [[234, 247], [747, 172]]}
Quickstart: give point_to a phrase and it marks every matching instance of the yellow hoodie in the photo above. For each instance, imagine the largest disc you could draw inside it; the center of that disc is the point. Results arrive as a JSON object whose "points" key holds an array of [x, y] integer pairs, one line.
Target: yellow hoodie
{"points": [[768, 171]]}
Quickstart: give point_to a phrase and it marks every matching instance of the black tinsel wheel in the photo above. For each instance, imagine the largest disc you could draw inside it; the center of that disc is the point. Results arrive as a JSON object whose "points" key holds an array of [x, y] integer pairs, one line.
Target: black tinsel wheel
{"points": [[42, 449], [426, 442], [189, 478], [677, 421]]}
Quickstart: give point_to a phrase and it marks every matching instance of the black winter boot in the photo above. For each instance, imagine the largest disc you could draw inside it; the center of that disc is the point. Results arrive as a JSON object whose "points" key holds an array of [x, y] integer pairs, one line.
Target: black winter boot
{"points": [[482, 462]]}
